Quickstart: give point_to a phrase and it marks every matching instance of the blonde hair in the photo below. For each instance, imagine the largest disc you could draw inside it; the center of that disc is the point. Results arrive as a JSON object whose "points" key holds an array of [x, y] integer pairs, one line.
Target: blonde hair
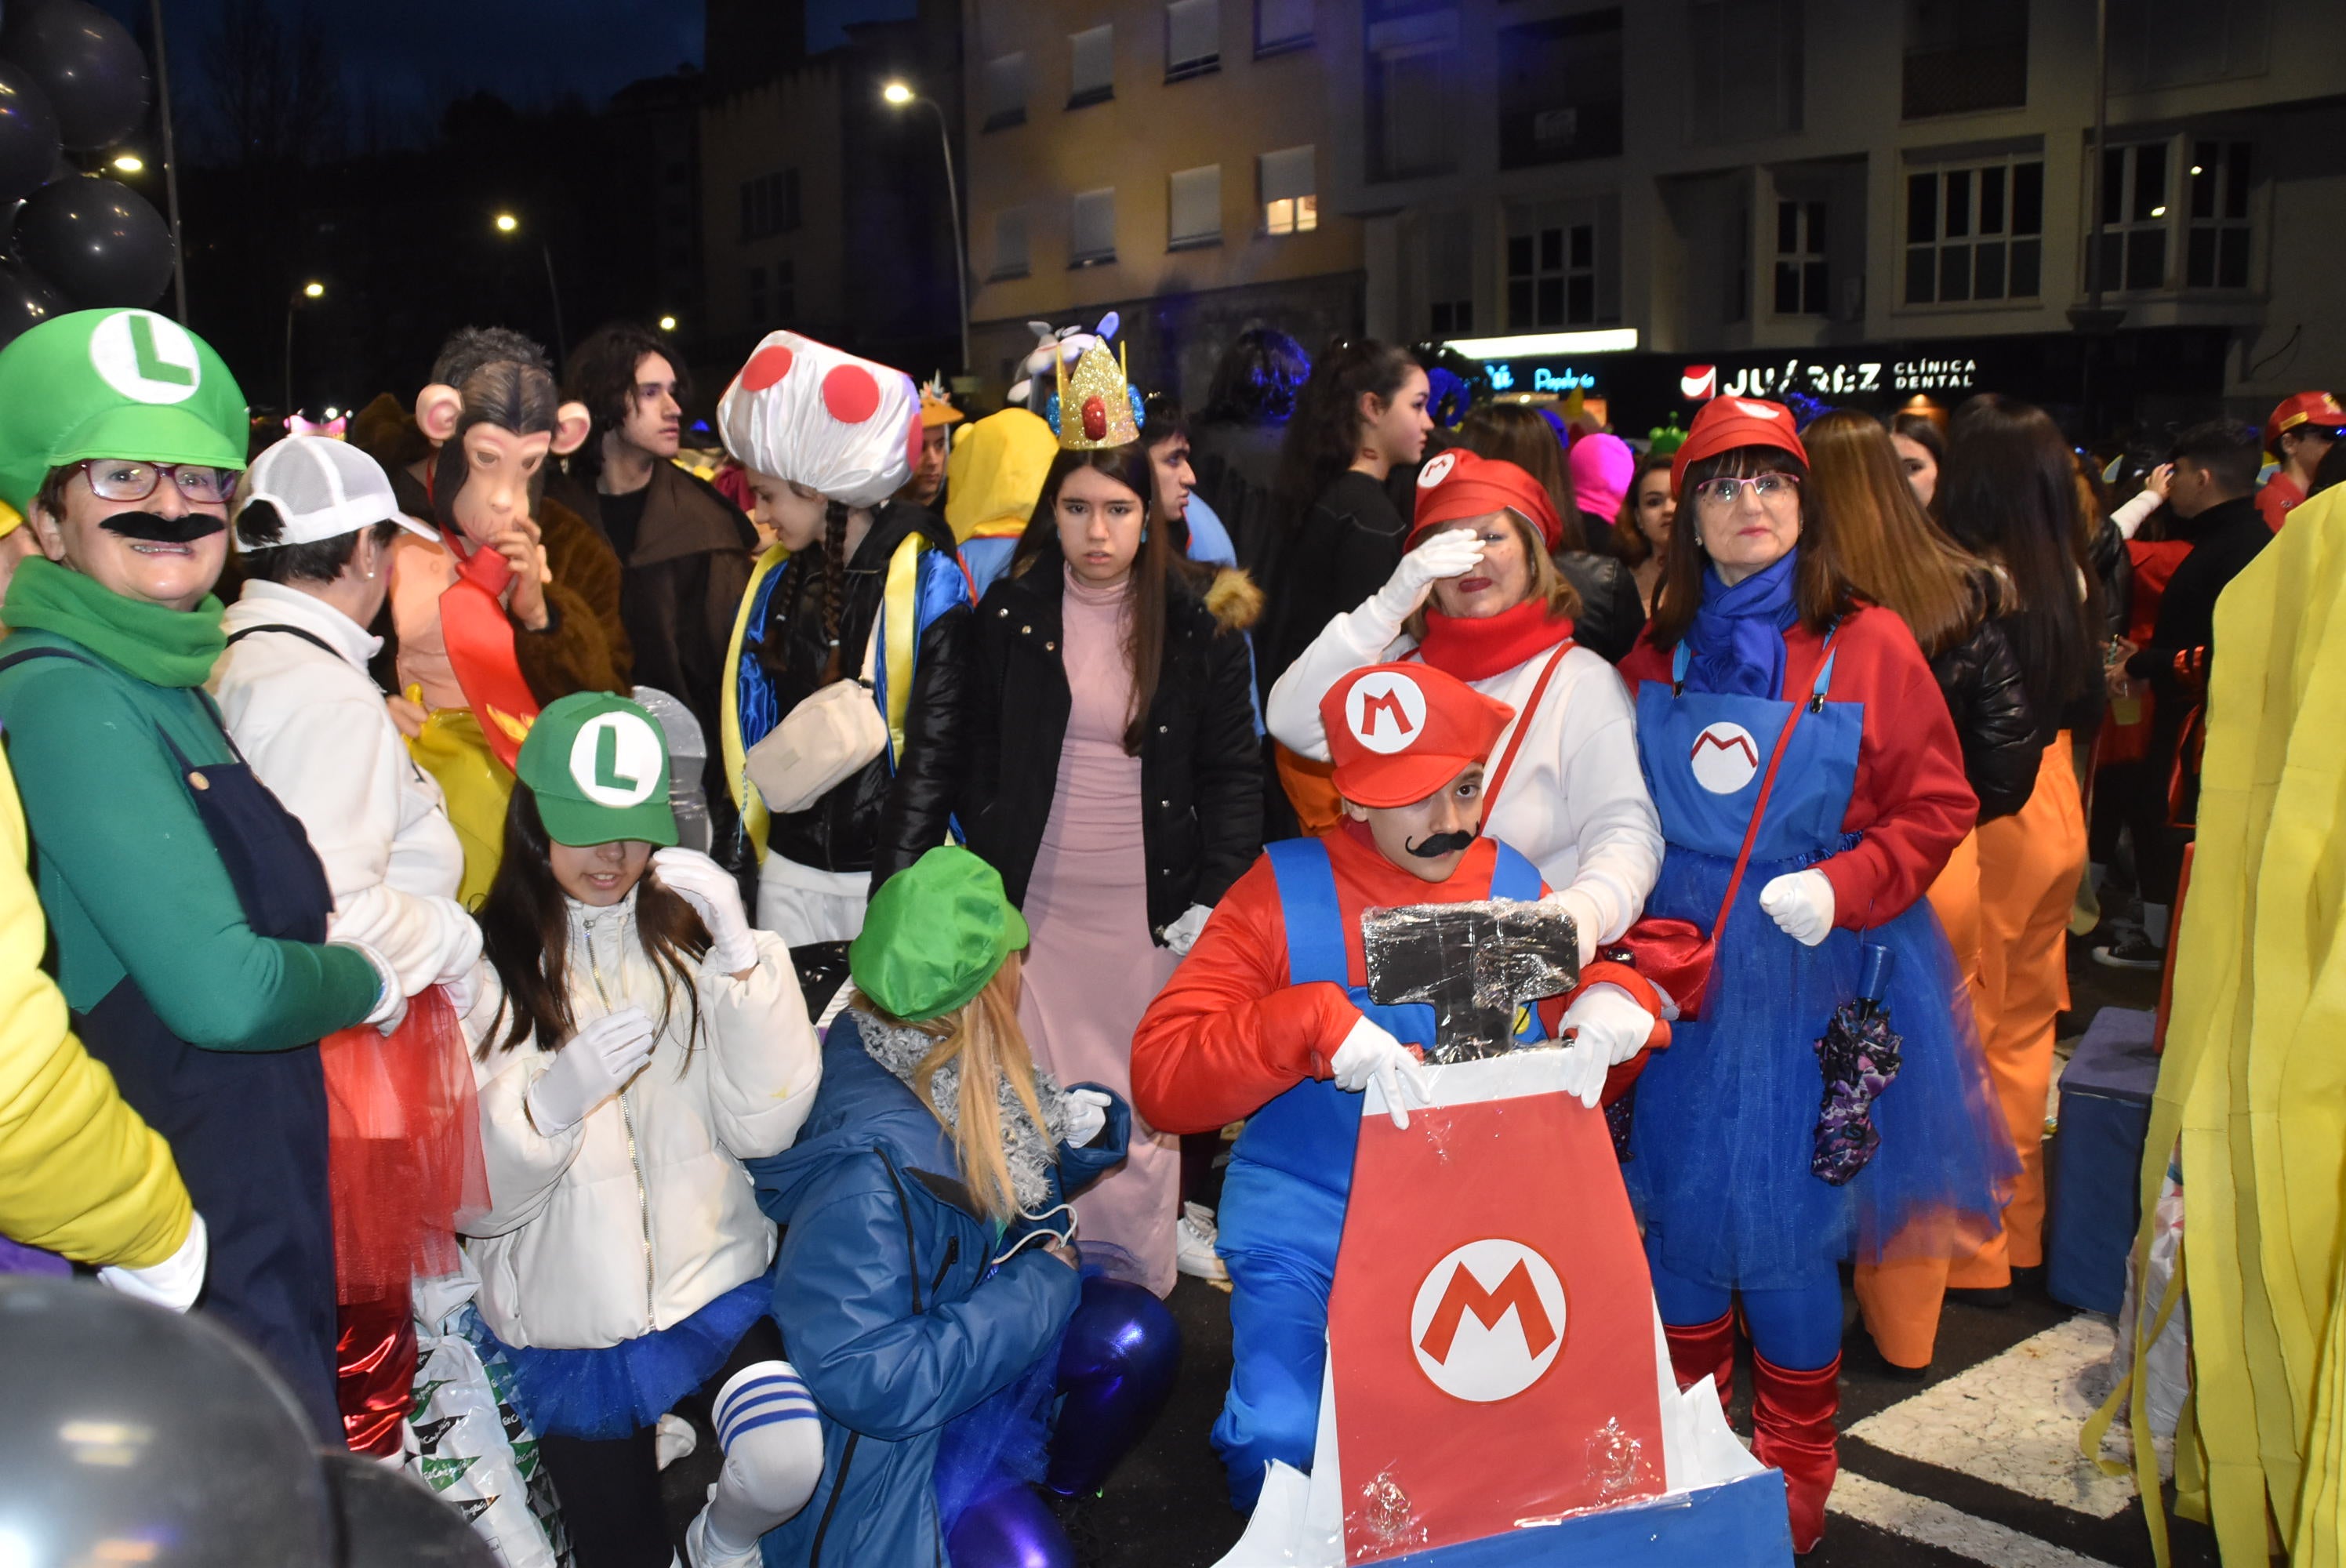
{"points": [[1549, 585], [983, 1035]]}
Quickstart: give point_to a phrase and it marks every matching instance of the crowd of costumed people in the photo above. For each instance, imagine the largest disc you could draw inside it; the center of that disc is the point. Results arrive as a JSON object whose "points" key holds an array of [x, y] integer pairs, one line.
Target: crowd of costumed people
{"points": [[556, 948]]}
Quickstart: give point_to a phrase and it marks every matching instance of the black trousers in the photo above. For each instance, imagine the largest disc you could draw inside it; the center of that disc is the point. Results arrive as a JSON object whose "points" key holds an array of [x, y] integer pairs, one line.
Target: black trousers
{"points": [[610, 1487]]}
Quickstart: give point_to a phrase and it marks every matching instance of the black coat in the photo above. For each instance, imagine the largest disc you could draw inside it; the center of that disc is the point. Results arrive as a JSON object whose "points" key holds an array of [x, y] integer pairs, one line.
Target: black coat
{"points": [[1200, 776], [877, 820], [2003, 742], [1611, 616]]}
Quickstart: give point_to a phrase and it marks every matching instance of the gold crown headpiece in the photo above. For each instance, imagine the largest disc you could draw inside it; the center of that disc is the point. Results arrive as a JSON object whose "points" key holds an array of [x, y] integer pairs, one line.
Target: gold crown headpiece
{"points": [[1096, 407]]}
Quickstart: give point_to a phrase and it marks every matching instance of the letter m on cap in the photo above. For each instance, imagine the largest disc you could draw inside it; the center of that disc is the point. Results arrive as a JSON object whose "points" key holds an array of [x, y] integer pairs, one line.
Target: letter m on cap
{"points": [[1383, 703], [1465, 1294]]}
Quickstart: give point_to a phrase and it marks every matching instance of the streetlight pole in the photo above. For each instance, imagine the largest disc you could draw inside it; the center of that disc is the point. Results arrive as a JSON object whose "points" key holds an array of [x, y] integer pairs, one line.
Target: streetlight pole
{"points": [[898, 94], [506, 223], [311, 291], [171, 163]]}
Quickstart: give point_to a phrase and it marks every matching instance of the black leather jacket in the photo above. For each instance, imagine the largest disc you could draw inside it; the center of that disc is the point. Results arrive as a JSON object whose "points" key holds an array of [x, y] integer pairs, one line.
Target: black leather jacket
{"points": [[876, 820], [1201, 774], [1611, 616], [2001, 740]]}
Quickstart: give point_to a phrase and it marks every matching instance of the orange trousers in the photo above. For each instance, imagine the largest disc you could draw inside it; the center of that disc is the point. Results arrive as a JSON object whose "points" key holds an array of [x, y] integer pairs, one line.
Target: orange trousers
{"points": [[1901, 1298]]}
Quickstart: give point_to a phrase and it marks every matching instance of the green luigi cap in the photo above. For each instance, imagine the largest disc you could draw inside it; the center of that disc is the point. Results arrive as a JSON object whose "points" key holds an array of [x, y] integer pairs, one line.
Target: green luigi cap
{"points": [[113, 383], [934, 935], [598, 767]]}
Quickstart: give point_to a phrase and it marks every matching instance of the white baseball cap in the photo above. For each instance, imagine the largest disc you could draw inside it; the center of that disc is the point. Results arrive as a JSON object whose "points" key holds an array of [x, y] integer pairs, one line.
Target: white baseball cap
{"points": [[321, 489]]}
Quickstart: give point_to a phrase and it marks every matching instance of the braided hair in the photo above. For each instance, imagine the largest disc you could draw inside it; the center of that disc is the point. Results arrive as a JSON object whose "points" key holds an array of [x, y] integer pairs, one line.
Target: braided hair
{"points": [[834, 584]]}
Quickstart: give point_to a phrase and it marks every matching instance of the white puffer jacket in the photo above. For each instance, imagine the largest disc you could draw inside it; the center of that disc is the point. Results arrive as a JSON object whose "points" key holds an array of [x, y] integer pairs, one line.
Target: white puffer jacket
{"points": [[640, 1215]]}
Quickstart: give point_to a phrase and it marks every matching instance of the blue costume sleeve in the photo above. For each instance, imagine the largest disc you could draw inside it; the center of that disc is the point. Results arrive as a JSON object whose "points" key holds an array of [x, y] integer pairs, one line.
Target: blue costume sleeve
{"points": [[877, 1355], [1079, 1168]]}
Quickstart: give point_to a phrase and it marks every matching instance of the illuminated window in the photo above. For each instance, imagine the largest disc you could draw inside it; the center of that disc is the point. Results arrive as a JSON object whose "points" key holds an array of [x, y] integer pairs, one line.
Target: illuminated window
{"points": [[1975, 233], [1291, 203]]}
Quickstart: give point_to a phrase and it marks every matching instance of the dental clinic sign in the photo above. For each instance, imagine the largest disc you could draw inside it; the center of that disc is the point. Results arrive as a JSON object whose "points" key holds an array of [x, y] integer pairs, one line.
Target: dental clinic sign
{"points": [[1827, 378]]}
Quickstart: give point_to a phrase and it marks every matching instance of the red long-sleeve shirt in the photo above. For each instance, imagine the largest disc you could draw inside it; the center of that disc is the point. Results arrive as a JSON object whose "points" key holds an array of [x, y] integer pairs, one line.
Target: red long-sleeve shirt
{"points": [[1909, 801], [1230, 1034]]}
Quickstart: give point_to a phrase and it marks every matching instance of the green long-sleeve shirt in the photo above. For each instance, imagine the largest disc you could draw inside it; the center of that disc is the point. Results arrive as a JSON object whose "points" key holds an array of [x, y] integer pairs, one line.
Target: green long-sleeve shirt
{"points": [[132, 883]]}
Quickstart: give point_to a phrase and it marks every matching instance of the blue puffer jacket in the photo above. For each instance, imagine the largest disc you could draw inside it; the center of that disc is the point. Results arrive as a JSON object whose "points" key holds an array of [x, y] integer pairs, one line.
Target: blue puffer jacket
{"points": [[887, 1306]]}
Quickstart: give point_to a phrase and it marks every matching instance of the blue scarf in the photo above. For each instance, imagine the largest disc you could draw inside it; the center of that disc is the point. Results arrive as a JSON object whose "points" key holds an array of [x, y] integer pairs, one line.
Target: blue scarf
{"points": [[1736, 646]]}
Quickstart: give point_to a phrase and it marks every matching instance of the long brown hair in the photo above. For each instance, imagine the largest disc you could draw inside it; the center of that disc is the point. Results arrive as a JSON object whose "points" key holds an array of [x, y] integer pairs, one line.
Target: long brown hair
{"points": [[526, 936], [1629, 541], [1549, 585], [1155, 570], [983, 1034], [1820, 586], [1894, 554], [1521, 435]]}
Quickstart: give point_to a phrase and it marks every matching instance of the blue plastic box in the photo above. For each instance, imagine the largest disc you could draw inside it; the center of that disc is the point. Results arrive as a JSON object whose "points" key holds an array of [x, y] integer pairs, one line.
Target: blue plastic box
{"points": [[2096, 1173]]}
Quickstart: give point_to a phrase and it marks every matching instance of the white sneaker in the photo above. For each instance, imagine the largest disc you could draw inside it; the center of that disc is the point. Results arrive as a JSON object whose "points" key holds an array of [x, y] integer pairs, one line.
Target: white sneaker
{"points": [[698, 1554], [1193, 1245], [673, 1439]]}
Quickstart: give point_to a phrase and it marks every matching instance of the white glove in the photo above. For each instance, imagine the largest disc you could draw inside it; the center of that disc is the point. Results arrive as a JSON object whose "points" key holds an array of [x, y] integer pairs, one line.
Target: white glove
{"points": [[1182, 934], [1087, 1114], [599, 1059], [1453, 553], [1608, 1027], [1370, 1054], [713, 893], [174, 1283], [1586, 925], [463, 990], [390, 1003], [1802, 905]]}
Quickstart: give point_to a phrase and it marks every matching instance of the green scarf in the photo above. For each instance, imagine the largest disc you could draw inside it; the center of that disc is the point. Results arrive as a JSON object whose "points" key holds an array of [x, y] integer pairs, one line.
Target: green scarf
{"points": [[161, 647]]}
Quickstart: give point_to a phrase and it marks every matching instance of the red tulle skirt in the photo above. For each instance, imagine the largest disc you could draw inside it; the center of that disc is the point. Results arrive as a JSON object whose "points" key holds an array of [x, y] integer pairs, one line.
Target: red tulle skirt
{"points": [[404, 1149]]}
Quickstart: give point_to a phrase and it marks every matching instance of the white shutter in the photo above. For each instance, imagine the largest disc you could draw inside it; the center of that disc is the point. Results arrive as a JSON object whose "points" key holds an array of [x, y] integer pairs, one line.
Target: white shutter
{"points": [[1193, 37], [1194, 201], [1091, 64], [1010, 257], [1287, 174], [1006, 89], [1092, 227], [1282, 23]]}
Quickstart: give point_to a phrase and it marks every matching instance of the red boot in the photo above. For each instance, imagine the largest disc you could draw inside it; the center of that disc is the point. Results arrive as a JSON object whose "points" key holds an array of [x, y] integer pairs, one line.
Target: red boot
{"points": [[1704, 1350], [1793, 1429]]}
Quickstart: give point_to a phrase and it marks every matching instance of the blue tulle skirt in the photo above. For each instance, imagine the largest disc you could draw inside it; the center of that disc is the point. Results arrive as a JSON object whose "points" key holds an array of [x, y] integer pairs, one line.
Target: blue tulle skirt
{"points": [[611, 1393], [1726, 1117]]}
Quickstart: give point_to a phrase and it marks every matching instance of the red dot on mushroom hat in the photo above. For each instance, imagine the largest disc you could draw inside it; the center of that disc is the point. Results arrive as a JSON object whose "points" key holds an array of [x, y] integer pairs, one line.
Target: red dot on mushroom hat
{"points": [[851, 395], [766, 367]]}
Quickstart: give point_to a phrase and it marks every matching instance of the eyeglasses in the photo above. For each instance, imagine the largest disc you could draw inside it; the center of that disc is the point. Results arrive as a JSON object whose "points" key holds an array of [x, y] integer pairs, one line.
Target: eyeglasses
{"points": [[1723, 492], [113, 478]]}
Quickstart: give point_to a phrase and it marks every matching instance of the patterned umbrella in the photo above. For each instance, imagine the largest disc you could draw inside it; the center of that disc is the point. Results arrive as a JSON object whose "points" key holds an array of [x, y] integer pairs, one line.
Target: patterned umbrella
{"points": [[1860, 1054]]}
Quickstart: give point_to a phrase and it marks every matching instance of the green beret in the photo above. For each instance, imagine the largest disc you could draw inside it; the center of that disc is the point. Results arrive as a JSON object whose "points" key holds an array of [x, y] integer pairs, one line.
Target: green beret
{"points": [[934, 935]]}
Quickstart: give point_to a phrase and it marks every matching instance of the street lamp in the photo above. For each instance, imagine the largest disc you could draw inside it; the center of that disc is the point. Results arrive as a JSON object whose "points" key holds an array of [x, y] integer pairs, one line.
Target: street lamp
{"points": [[312, 290], [668, 323], [128, 162], [897, 95], [508, 223]]}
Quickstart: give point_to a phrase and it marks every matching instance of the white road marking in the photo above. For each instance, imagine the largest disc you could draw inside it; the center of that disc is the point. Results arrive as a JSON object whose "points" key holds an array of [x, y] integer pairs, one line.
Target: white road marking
{"points": [[2012, 1420], [1934, 1523]]}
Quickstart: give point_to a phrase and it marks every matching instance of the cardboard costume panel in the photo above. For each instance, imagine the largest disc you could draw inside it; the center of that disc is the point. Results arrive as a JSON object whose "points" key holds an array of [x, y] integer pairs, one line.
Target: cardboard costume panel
{"points": [[1478, 965]]}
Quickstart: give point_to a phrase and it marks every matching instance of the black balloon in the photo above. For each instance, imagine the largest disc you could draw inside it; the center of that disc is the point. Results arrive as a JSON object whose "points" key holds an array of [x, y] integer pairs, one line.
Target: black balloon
{"points": [[28, 134], [97, 240], [390, 1520], [89, 67], [26, 300]]}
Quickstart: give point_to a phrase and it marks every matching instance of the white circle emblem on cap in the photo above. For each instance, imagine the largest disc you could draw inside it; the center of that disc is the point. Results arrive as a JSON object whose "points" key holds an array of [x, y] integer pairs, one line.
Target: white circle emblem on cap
{"points": [[1489, 1321], [616, 760], [1725, 757], [1385, 712], [146, 357], [1437, 469]]}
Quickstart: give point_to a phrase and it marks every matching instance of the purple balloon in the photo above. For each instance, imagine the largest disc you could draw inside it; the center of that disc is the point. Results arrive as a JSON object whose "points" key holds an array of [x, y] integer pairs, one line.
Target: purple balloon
{"points": [[1011, 1529], [1117, 1368]]}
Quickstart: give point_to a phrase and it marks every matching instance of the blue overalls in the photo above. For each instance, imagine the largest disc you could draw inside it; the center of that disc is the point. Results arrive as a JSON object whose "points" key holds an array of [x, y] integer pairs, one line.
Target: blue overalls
{"points": [[1283, 1211]]}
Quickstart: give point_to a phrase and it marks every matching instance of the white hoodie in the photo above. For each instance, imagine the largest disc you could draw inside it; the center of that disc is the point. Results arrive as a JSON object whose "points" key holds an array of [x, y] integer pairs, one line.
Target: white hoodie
{"points": [[641, 1214]]}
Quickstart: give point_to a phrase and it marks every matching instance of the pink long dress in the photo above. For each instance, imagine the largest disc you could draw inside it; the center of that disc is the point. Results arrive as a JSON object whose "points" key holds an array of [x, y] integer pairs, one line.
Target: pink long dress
{"points": [[1092, 968]]}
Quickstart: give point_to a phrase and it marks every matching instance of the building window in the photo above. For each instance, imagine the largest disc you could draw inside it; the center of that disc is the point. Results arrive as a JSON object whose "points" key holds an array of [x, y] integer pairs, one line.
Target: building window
{"points": [[1005, 91], [1091, 66], [769, 204], [1560, 266], [1010, 255], [1193, 200], [2135, 199], [785, 290], [1193, 38], [1449, 293], [1560, 89], [757, 297], [1737, 307], [2216, 256], [1804, 276], [1963, 56], [1290, 191], [1974, 232], [1413, 89], [1743, 69], [2176, 43], [1281, 25], [1091, 231]]}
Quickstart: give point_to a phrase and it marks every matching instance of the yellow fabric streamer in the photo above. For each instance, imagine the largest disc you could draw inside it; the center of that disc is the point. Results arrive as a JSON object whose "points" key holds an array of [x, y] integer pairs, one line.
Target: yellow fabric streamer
{"points": [[477, 786]]}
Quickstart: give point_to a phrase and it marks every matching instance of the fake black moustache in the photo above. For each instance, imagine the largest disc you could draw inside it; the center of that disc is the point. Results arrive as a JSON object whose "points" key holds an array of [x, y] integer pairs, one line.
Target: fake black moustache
{"points": [[1441, 844], [183, 529]]}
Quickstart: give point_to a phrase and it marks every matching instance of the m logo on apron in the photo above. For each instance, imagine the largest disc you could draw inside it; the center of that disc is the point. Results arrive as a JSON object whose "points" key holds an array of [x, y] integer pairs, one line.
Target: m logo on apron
{"points": [[1489, 1321], [1725, 757]]}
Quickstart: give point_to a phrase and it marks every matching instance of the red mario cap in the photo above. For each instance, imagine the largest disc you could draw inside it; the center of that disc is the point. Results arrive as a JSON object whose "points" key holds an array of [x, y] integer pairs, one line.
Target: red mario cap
{"points": [[2314, 408], [1455, 484], [1728, 423], [1398, 732]]}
